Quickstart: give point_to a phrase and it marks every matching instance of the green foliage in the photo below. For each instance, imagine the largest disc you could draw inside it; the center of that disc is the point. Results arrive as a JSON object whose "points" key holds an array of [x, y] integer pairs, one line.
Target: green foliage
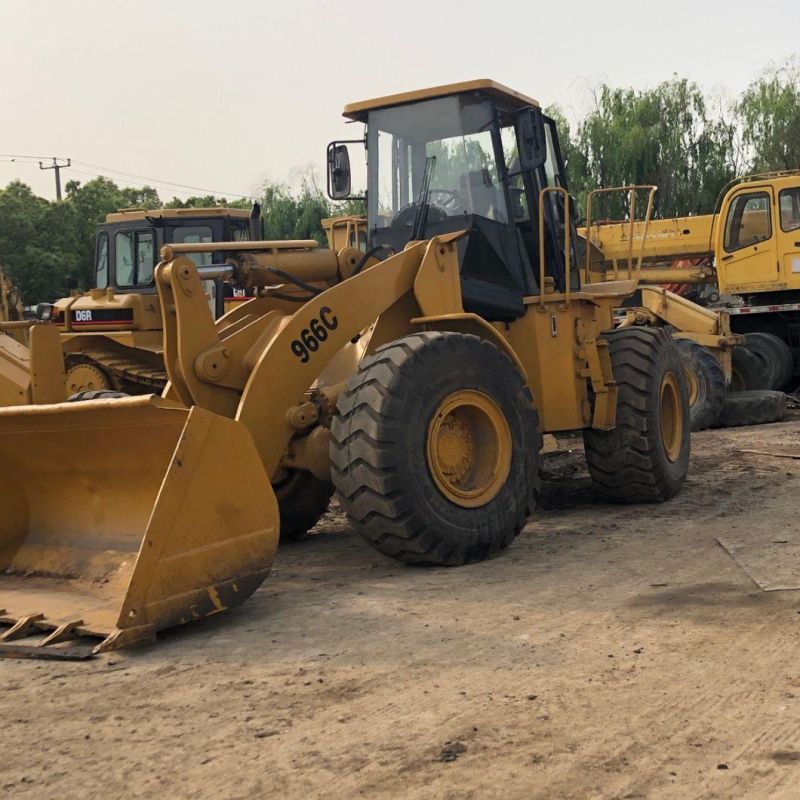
{"points": [[31, 254], [295, 215], [770, 115], [207, 201], [662, 136]]}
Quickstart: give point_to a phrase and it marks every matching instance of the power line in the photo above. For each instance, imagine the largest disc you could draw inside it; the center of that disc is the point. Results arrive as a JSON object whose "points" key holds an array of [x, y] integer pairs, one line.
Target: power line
{"points": [[101, 171], [162, 184], [14, 157], [159, 181]]}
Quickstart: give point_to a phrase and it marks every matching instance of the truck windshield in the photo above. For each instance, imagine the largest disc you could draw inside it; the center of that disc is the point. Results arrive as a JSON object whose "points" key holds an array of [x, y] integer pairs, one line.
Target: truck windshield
{"points": [[463, 176]]}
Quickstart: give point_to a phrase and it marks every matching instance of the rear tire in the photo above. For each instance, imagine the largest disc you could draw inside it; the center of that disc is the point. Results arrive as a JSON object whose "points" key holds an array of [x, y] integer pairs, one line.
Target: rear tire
{"points": [[302, 500], [748, 371], [643, 459], [752, 408], [705, 382], [435, 449], [775, 354]]}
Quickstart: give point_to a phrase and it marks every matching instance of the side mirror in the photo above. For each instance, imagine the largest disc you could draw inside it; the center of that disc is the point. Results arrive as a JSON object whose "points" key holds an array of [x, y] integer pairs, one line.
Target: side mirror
{"points": [[338, 171], [531, 139], [44, 311]]}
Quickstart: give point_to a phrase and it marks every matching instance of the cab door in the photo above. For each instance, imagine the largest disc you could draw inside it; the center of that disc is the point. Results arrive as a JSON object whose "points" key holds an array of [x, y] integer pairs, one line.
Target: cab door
{"points": [[748, 259], [789, 235]]}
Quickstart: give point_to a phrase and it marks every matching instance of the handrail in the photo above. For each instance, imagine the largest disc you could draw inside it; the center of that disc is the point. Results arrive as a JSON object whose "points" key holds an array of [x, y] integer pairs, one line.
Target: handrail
{"points": [[567, 265], [633, 195]]}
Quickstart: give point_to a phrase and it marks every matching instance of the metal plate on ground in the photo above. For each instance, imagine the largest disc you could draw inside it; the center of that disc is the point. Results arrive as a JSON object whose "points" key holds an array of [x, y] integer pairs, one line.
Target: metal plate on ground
{"points": [[772, 561]]}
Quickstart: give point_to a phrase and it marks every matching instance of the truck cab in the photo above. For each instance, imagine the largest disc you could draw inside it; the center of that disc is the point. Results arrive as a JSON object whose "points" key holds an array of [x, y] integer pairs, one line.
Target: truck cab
{"points": [[758, 239]]}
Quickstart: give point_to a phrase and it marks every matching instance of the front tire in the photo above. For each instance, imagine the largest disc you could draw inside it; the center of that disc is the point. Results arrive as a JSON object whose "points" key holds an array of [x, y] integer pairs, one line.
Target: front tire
{"points": [[645, 457], [435, 449], [302, 500]]}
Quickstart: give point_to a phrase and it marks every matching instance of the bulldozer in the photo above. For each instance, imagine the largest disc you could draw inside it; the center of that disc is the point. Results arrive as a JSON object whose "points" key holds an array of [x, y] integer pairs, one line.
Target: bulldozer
{"points": [[111, 335], [31, 362], [415, 378]]}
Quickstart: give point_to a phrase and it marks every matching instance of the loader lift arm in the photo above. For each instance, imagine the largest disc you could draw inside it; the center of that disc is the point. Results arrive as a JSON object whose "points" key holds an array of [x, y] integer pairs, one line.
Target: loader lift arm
{"points": [[199, 355]]}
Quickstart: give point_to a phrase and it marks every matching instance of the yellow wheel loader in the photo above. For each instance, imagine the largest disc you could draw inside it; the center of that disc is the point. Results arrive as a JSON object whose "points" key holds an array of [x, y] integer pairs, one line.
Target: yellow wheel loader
{"points": [[418, 382]]}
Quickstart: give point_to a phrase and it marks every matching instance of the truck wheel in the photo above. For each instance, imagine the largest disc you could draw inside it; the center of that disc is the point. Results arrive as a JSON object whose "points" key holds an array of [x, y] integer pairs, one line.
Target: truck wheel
{"points": [[775, 354], [748, 371], [302, 500], [705, 382], [435, 449], [752, 408], [643, 459]]}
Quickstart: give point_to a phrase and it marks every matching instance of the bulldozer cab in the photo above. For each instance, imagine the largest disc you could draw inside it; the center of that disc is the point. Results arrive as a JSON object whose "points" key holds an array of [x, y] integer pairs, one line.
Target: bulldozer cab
{"points": [[128, 243], [473, 156]]}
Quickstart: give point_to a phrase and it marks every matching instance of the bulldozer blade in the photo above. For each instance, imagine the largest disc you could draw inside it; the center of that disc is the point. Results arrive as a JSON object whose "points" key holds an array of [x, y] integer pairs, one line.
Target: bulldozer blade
{"points": [[121, 517]]}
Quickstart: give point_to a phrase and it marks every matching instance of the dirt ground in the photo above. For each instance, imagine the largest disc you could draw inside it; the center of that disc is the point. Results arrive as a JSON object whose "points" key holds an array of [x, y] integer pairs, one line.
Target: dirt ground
{"points": [[611, 652]]}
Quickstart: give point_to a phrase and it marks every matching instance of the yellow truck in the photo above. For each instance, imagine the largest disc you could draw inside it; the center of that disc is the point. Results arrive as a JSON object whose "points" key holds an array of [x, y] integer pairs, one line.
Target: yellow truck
{"points": [[748, 251]]}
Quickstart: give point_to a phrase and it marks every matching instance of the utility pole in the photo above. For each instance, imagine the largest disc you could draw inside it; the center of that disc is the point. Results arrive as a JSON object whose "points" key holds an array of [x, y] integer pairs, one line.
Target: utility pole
{"points": [[57, 167]]}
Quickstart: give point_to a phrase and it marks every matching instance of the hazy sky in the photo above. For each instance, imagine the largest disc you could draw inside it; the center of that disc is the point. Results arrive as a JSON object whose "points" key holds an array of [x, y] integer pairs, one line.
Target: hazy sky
{"points": [[221, 95]]}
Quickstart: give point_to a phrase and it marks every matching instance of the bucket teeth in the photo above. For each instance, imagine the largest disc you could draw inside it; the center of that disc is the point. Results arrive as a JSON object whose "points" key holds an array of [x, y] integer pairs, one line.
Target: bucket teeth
{"points": [[36, 625], [63, 633], [24, 626]]}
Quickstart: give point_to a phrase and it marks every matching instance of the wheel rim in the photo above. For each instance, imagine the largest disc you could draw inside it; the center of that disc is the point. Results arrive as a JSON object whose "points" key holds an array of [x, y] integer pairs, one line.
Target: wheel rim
{"points": [[469, 448], [671, 416], [692, 384]]}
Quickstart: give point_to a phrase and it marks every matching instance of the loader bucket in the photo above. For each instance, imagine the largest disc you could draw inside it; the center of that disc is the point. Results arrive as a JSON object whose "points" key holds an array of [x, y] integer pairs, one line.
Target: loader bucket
{"points": [[121, 517]]}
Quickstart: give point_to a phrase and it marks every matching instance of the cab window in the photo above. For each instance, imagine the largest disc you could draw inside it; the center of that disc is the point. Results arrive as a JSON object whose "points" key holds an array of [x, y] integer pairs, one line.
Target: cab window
{"points": [[145, 253], [240, 232], [101, 262], [748, 221], [134, 258], [194, 234], [123, 258], [790, 209], [358, 239]]}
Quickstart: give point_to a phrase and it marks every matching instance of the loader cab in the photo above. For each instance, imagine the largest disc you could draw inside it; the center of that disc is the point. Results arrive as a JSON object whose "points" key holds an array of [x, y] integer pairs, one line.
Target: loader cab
{"points": [[128, 244], [474, 157]]}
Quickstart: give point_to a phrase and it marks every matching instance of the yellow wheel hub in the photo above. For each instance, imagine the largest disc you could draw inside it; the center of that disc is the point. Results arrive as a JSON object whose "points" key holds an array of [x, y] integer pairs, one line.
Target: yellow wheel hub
{"points": [[469, 448], [85, 378], [671, 416]]}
